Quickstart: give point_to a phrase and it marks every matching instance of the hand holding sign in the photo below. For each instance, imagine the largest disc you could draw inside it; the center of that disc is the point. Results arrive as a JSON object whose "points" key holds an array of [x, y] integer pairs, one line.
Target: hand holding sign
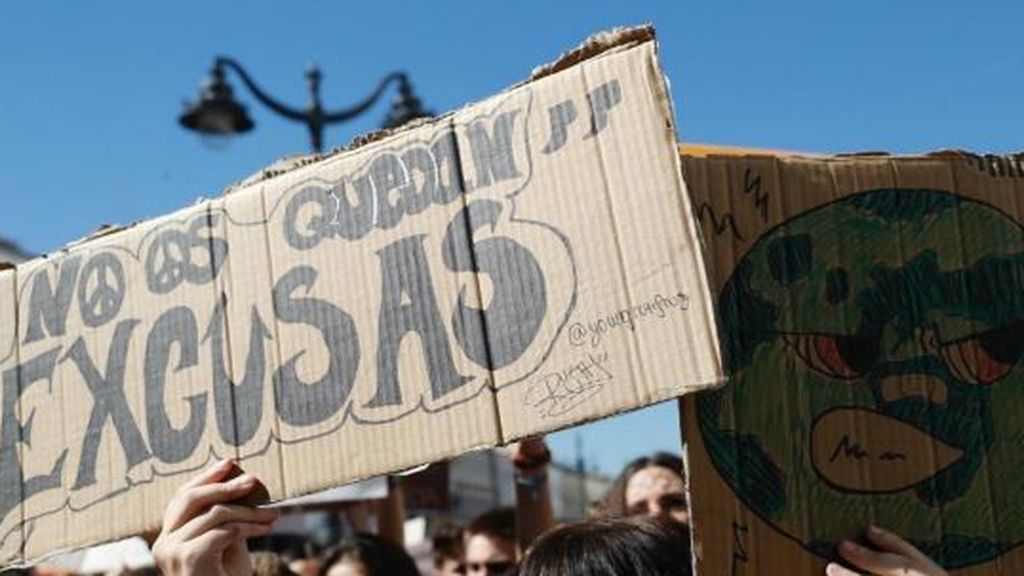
{"points": [[894, 557], [204, 532]]}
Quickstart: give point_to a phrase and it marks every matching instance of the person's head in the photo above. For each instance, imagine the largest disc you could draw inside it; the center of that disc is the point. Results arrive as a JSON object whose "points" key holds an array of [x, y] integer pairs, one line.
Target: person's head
{"points": [[611, 547], [299, 553], [269, 564], [651, 486], [491, 543], [367, 555], [448, 551]]}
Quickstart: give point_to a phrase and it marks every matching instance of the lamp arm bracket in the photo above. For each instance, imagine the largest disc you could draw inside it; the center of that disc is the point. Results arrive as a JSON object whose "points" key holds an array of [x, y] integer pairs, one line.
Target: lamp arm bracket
{"points": [[259, 93], [334, 116]]}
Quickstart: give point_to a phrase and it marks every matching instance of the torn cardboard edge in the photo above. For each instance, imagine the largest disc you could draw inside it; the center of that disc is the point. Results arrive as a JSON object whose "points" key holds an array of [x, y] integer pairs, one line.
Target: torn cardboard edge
{"points": [[596, 45], [618, 38], [593, 46], [1003, 164]]}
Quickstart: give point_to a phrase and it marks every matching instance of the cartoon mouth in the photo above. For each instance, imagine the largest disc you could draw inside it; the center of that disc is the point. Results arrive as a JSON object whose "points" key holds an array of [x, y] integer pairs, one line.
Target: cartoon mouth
{"points": [[859, 450], [930, 388]]}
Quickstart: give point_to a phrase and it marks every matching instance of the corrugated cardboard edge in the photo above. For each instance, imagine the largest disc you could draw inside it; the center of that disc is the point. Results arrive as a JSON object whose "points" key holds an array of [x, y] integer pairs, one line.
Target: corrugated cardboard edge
{"points": [[695, 230], [592, 47], [1007, 164], [616, 38]]}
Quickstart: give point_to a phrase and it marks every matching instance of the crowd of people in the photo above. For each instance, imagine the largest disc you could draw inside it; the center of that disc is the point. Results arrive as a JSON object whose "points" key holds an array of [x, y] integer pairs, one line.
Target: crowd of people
{"points": [[641, 527]]}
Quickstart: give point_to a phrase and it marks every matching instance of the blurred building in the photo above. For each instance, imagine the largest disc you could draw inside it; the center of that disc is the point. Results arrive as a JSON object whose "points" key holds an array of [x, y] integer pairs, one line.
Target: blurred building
{"points": [[464, 487]]}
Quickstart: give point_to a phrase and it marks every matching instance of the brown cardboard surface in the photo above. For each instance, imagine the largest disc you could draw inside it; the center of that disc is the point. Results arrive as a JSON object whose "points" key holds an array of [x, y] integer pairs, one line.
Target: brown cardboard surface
{"points": [[871, 318], [514, 267], [635, 301]]}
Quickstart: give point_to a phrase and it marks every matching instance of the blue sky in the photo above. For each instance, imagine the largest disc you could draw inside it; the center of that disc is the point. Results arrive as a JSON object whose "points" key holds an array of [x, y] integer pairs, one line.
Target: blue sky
{"points": [[90, 92]]}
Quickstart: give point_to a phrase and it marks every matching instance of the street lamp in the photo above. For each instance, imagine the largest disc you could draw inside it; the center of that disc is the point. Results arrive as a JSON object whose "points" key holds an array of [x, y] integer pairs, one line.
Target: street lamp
{"points": [[216, 112]]}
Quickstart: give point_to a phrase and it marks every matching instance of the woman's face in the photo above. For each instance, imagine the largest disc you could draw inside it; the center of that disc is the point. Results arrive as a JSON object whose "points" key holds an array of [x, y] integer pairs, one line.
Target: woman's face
{"points": [[657, 492], [486, 556]]}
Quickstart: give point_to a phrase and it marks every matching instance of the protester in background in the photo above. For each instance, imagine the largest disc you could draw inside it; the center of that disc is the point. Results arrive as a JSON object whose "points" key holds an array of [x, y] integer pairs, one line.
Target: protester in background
{"points": [[652, 486], [298, 552], [891, 556], [495, 540], [303, 561], [367, 555], [448, 551], [491, 548], [611, 547], [534, 515]]}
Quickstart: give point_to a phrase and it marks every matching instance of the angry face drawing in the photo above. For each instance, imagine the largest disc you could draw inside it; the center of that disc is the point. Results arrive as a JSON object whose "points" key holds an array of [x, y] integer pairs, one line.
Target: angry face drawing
{"points": [[874, 345]]}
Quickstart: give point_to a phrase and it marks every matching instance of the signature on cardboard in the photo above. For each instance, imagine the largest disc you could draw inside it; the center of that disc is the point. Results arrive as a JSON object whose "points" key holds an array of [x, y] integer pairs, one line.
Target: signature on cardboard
{"points": [[657, 307], [557, 393]]}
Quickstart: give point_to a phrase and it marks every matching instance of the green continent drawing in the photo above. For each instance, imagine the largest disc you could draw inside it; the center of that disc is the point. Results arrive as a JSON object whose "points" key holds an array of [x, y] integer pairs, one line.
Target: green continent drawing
{"points": [[874, 346]]}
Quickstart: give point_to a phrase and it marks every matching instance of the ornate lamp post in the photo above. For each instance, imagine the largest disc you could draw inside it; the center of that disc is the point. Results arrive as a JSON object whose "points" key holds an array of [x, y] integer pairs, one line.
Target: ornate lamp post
{"points": [[216, 112]]}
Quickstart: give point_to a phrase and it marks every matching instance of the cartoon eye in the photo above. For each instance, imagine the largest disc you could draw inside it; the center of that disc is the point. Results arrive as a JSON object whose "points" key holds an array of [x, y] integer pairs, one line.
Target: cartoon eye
{"points": [[985, 358], [835, 355]]}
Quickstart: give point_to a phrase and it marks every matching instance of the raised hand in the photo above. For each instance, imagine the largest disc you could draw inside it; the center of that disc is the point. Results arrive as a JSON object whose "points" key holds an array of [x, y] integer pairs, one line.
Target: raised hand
{"points": [[204, 528]]}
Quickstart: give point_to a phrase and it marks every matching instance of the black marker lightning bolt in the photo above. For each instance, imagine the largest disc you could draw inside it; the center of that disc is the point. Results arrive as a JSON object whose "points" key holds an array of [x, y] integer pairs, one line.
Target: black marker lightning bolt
{"points": [[719, 224], [752, 186], [739, 553]]}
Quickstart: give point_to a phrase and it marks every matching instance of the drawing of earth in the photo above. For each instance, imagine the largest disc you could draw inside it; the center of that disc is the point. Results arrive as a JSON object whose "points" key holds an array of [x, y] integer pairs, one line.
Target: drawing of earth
{"points": [[874, 346]]}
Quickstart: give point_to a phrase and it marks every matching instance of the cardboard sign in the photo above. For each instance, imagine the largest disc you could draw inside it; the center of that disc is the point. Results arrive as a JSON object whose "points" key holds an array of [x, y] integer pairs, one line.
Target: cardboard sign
{"points": [[515, 267], [371, 489], [872, 316]]}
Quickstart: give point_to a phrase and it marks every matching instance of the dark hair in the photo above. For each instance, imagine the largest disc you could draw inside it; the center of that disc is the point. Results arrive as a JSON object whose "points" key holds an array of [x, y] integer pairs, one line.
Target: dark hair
{"points": [[447, 544], [381, 558], [497, 524], [614, 503], [616, 547]]}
